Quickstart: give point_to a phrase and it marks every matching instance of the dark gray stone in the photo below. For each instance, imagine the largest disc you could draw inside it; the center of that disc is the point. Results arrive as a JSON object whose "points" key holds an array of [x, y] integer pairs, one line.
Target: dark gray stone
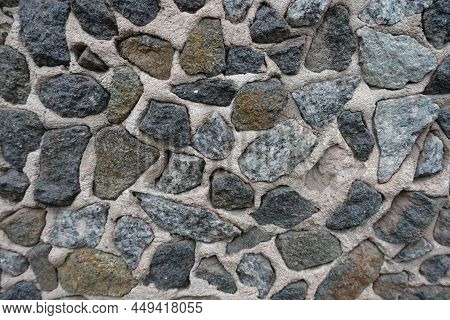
{"points": [[304, 13], [9, 3], [436, 23], [215, 92], [392, 11], [212, 270], [12, 262], [6, 22], [14, 76], [89, 60], [442, 228], [23, 290], [230, 192], [46, 274], [241, 60], [413, 251], [191, 6], [293, 291], [435, 268], [268, 26], [255, 270], [236, 10], [13, 185], [440, 81], [444, 120], [25, 226], [431, 158], [248, 239], [287, 55], [139, 12]]}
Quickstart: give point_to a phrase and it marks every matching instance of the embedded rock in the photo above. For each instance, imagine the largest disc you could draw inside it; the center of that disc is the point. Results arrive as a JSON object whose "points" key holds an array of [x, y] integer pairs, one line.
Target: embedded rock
{"points": [[212, 270], [230, 192], [255, 270], [25, 226], [305, 13], [45, 273], [287, 55], [12, 262], [440, 81], [268, 26], [431, 158], [293, 291], [9, 3], [209, 91], [436, 22], [236, 10], [392, 11], [435, 268], [442, 228], [444, 120], [23, 290], [191, 6], [13, 185], [242, 60], [139, 12], [247, 240], [413, 251], [14, 76], [91, 61], [5, 25]]}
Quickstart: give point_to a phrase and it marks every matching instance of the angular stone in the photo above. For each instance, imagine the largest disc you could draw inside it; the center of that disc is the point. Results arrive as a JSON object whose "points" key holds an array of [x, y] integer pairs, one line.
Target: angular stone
{"points": [[435, 22], [80, 228], [390, 62], [444, 120], [248, 239], [131, 237], [258, 105], [212, 270], [431, 158], [293, 291], [214, 139], [151, 54], [391, 11], [304, 13], [268, 26], [287, 55], [413, 251], [398, 123], [277, 152], [43, 28], [13, 263], [25, 226], [435, 268], [13, 185], [242, 60], [209, 91], [356, 134], [73, 95], [126, 89], [23, 290], [186, 221], [61, 152], [440, 81], [321, 102], [171, 265], [14, 76], [353, 273], [44, 271], [362, 202], [255, 270], [89, 60], [139, 12], [442, 228], [93, 272], [121, 159], [334, 43], [236, 10], [410, 214], [191, 6], [167, 122], [230, 192]]}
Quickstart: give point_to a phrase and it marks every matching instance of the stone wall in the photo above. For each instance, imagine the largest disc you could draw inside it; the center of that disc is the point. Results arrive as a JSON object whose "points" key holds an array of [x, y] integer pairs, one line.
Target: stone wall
{"points": [[235, 149]]}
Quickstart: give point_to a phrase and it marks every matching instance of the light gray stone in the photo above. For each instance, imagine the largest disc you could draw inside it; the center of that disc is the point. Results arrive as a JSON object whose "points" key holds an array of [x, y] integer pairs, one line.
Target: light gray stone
{"points": [[212, 270], [413, 251], [431, 158], [391, 11], [13, 263], [236, 10], [255, 270], [248, 239], [304, 13]]}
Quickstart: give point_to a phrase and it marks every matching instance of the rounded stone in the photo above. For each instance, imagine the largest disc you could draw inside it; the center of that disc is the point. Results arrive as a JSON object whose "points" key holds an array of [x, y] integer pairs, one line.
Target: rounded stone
{"points": [[14, 76]]}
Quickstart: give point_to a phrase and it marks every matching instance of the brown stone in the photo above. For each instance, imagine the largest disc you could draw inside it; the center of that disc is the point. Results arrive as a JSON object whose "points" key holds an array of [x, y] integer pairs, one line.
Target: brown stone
{"points": [[25, 226]]}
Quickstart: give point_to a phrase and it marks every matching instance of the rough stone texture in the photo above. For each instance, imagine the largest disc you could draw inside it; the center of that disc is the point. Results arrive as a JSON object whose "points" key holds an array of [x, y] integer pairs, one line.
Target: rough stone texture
{"points": [[25, 226], [13, 185], [321, 102], [139, 12], [209, 91], [353, 273], [14, 76], [414, 251], [431, 158], [241, 60], [61, 151], [303, 13], [444, 120], [255, 270], [293, 291], [9, 3], [121, 159], [390, 62], [334, 43], [186, 221], [435, 268], [277, 152], [268, 26], [12, 262], [213, 271], [440, 81], [89, 60], [5, 25], [442, 228], [236, 10], [230, 192], [23, 290], [46, 274], [436, 23], [171, 265], [398, 123], [73, 95], [391, 11], [287, 55], [191, 6], [247, 240]]}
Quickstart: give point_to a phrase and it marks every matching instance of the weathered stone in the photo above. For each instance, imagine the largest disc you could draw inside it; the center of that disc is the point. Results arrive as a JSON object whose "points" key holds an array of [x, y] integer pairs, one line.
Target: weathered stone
{"points": [[151, 54], [14, 76], [58, 181], [230, 192], [293, 291], [435, 268], [248, 239], [204, 50], [80, 228], [171, 265], [436, 23], [334, 43], [212, 270], [139, 12], [398, 123], [12, 262], [414, 251], [287, 55], [209, 91], [186, 221], [258, 105], [121, 159], [25, 226], [431, 158], [89, 60], [255, 270], [191, 6], [444, 120], [9, 3], [236, 10], [268, 26], [126, 89], [93, 272], [241, 60], [5, 25], [167, 122], [353, 273], [277, 152], [45, 273], [362, 202], [23, 290], [442, 228], [391, 62], [131, 237], [43, 28], [13, 185], [306, 12], [356, 134], [440, 81], [410, 214], [214, 139], [321, 102], [391, 11]]}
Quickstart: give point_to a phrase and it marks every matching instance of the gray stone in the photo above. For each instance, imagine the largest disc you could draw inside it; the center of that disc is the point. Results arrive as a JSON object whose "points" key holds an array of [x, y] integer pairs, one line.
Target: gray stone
{"points": [[247, 240], [13, 185], [431, 158], [277, 152], [236, 10], [43, 28], [391, 11], [191, 6], [287, 55], [362, 202], [91, 61], [214, 139], [13, 263], [215, 92], [304, 13], [321, 102], [14, 76], [25, 226], [413, 251], [241, 60], [6, 22], [255, 270], [230, 192], [171, 265], [45, 273], [398, 123], [268, 26], [167, 122], [131, 237], [390, 62], [435, 268], [436, 23], [139, 12], [334, 43], [356, 134], [444, 120], [61, 152], [212, 270], [410, 214], [23, 290], [442, 228], [440, 81], [121, 159], [186, 221], [293, 291], [9, 3], [80, 228]]}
